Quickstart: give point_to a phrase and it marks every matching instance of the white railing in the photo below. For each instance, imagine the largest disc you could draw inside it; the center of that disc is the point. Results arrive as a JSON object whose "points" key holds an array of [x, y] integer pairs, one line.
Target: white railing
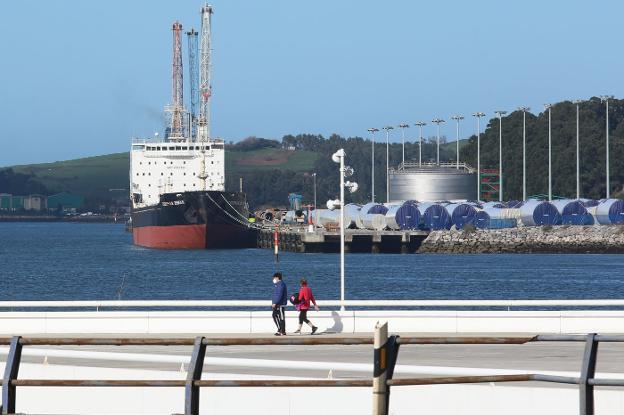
{"points": [[329, 303]]}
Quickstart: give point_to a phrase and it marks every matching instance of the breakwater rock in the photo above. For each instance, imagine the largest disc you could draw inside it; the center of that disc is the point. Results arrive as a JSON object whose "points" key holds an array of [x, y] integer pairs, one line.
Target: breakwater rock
{"points": [[550, 239]]}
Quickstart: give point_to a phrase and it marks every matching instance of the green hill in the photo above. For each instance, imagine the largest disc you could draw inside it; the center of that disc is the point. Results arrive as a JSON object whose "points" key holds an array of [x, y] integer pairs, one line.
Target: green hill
{"points": [[271, 169]]}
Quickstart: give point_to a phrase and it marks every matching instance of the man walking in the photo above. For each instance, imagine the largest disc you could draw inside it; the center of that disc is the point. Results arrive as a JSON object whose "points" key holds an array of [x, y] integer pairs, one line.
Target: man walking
{"points": [[279, 300]]}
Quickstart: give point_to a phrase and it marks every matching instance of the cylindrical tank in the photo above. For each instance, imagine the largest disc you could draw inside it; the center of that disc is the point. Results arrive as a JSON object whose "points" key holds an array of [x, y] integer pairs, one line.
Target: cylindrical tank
{"points": [[295, 216], [538, 213], [495, 218], [610, 212], [403, 217], [436, 218], [374, 221], [353, 212], [462, 214], [498, 205], [432, 183], [573, 212], [372, 208]]}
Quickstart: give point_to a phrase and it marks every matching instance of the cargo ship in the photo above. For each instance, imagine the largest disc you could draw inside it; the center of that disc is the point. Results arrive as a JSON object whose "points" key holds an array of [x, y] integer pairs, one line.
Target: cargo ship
{"points": [[177, 184]]}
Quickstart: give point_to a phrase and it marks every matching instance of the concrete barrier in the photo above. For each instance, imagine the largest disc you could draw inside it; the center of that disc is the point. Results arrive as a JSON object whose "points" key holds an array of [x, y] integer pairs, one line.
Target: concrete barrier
{"points": [[351, 321]]}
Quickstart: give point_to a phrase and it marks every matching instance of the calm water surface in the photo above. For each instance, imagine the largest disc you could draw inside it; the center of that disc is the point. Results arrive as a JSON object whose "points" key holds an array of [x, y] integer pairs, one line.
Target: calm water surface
{"points": [[69, 261]]}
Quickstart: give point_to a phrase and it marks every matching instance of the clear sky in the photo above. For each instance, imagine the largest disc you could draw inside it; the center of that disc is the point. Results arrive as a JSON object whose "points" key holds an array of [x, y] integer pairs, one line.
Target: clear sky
{"points": [[80, 78]]}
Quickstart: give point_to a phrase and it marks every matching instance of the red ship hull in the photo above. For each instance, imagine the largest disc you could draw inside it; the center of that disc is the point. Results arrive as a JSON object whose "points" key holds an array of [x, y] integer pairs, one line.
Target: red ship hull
{"points": [[194, 220]]}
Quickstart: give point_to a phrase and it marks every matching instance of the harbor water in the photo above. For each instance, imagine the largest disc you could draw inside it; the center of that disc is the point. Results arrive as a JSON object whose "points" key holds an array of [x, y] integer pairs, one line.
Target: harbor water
{"points": [[73, 261]]}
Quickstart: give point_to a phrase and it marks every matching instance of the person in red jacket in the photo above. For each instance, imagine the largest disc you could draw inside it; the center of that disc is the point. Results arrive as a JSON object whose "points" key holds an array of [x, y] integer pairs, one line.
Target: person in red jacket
{"points": [[305, 297]]}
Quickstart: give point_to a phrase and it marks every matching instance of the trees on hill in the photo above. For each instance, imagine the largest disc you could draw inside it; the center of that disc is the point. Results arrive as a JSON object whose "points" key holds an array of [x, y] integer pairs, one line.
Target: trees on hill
{"points": [[592, 155]]}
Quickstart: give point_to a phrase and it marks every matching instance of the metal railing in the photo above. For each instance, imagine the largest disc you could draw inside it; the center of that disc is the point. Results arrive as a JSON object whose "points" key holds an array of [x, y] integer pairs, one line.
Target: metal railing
{"points": [[111, 304], [385, 357]]}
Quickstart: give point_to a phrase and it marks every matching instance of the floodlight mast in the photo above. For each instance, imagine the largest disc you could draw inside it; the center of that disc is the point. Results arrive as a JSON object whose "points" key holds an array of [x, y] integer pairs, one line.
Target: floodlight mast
{"points": [[420, 125], [524, 111], [549, 108], [577, 102], [457, 118], [403, 127], [605, 99], [373, 131], [500, 153], [478, 116], [388, 128], [437, 122]]}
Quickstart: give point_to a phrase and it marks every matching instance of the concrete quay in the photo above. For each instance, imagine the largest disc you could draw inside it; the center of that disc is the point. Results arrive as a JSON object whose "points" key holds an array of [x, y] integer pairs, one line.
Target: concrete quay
{"points": [[300, 239]]}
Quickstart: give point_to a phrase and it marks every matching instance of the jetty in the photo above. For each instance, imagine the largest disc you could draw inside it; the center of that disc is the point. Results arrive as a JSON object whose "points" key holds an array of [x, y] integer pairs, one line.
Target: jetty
{"points": [[292, 238]]}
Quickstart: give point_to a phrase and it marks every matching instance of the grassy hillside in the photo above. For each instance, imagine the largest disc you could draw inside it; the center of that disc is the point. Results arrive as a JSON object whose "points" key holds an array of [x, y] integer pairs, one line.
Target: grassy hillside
{"points": [[91, 176], [94, 177]]}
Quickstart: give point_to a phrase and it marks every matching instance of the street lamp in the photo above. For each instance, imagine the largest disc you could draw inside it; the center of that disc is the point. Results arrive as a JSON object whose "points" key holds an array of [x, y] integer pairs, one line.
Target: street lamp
{"points": [[338, 157], [420, 126], [314, 177], [438, 121], [373, 131], [605, 99], [457, 118], [500, 153], [478, 116], [549, 108], [578, 147], [403, 127], [388, 128], [524, 111]]}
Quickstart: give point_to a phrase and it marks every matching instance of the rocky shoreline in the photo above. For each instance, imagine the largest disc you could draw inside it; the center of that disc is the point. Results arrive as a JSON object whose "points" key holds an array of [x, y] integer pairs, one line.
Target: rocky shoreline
{"points": [[546, 239]]}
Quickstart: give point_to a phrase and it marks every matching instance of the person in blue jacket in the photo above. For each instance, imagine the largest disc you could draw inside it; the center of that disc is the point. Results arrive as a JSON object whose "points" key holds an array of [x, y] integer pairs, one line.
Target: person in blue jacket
{"points": [[279, 301]]}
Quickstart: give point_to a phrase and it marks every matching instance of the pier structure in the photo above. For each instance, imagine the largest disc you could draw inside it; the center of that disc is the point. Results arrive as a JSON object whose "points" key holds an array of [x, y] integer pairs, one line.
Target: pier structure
{"points": [[305, 239]]}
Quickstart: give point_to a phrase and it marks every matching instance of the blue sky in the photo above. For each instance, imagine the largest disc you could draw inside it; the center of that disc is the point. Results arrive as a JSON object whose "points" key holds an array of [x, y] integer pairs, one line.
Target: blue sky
{"points": [[80, 78]]}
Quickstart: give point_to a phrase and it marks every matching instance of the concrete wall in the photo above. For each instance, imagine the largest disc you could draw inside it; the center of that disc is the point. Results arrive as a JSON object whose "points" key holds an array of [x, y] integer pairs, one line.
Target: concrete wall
{"points": [[171, 322]]}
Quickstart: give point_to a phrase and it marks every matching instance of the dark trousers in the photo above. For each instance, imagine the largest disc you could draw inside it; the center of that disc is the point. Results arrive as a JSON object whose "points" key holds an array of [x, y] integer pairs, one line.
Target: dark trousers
{"points": [[280, 318]]}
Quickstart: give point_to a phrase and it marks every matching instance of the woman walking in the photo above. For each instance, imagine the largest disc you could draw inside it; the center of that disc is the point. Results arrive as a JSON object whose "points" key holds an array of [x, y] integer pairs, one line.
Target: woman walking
{"points": [[305, 297]]}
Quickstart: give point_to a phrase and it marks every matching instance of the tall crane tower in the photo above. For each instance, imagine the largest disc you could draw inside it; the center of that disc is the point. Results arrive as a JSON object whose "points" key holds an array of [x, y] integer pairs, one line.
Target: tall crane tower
{"points": [[193, 80], [205, 87], [176, 109]]}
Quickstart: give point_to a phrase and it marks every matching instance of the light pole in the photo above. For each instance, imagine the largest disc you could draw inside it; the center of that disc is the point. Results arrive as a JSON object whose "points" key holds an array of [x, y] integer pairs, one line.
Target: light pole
{"points": [[500, 153], [549, 108], [478, 116], [457, 118], [403, 127], [373, 131], [605, 99], [578, 148], [388, 128], [524, 111], [420, 137], [314, 177], [338, 157], [438, 121]]}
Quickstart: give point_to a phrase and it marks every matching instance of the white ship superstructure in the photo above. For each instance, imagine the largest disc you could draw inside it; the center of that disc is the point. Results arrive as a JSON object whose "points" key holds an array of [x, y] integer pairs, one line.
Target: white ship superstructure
{"points": [[168, 166]]}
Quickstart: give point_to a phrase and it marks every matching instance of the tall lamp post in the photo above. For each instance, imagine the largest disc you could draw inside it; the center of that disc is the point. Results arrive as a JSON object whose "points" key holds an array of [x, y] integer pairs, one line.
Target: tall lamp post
{"points": [[549, 108], [524, 111], [457, 118], [437, 122], [314, 177], [420, 125], [388, 128], [605, 99], [345, 171], [577, 102], [478, 116], [500, 153], [403, 127], [373, 131]]}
